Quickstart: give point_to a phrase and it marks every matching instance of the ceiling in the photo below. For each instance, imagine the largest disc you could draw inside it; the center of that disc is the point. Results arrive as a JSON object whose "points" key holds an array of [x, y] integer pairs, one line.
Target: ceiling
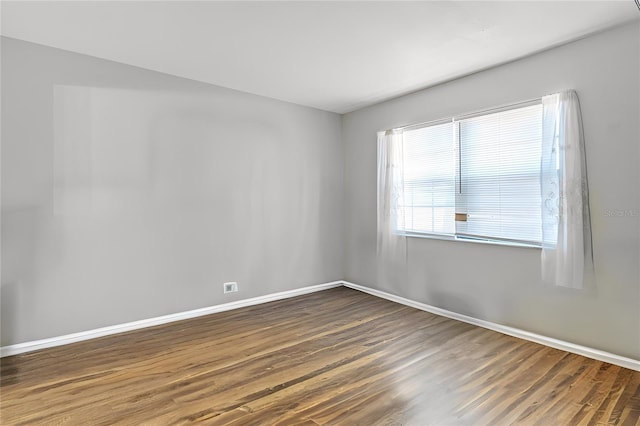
{"points": [[333, 55]]}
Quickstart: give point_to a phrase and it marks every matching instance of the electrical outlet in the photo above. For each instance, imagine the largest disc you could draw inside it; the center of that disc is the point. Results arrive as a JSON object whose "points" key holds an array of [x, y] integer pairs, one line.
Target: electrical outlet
{"points": [[230, 287]]}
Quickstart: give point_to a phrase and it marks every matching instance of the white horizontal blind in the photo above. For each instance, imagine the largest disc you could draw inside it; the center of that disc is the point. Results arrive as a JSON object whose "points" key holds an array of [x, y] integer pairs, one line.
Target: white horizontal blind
{"points": [[499, 187], [429, 164], [476, 177]]}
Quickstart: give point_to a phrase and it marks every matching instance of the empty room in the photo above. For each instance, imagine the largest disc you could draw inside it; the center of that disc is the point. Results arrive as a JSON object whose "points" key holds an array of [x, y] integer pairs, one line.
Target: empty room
{"points": [[320, 212]]}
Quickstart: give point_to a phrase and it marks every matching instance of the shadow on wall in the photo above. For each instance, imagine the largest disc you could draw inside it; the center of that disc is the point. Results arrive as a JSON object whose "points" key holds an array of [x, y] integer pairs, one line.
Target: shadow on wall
{"points": [[456, 303], [143, 192], [19, 233], [9, 305]]}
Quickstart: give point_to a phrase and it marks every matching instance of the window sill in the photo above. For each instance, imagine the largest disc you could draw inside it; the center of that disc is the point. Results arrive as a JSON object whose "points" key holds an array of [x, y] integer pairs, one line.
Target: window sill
{"points": [[472, 240]]}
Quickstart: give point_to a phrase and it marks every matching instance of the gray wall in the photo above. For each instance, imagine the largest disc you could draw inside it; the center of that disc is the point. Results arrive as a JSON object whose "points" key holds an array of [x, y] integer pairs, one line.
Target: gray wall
{"points": [[128, 194], [502, 284]]}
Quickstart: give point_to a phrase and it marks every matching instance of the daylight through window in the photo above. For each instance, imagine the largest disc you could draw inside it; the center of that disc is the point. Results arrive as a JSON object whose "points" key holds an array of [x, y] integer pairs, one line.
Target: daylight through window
{"points": [[474, 177]]}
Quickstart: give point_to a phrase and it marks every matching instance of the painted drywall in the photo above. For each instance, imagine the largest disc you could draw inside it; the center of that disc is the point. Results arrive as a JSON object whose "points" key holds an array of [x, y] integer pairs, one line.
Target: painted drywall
{"points": [[502, 284], [129, 194]]}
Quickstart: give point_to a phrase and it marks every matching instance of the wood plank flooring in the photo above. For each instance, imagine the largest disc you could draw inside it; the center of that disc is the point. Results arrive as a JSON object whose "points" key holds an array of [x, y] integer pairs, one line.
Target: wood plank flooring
{"points": [[336, 357]]}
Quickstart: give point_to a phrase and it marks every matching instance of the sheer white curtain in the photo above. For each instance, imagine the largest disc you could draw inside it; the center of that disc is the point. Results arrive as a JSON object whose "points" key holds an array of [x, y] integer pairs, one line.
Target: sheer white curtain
{"points": [[392, 246], [567, 258]]}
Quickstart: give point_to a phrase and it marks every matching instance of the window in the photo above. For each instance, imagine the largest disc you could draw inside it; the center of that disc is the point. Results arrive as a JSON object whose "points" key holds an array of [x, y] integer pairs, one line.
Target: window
{"points": [[475, 177]]}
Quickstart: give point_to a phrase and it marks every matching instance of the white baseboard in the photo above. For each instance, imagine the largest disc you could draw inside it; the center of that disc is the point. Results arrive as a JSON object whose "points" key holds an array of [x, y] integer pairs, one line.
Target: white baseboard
{"points": [[135, 325], [511, 331]]}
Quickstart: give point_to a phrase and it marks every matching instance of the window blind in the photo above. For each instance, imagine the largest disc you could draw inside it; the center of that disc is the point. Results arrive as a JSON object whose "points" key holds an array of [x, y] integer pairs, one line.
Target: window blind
{"points": [[475, 177], [499, 188], [429, 179]]}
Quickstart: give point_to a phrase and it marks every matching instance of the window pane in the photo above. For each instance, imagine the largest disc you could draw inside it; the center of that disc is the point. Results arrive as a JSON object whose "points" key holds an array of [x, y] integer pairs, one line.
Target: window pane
{"points": [[499, 174], [429, 179]]}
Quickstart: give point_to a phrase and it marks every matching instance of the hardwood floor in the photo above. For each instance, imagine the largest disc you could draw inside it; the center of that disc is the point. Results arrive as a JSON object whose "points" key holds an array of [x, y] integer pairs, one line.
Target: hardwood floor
{"points": [[336, 357]]}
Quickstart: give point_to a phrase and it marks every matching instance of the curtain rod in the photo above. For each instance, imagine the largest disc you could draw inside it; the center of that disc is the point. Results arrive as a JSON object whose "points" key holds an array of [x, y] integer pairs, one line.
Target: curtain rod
{"points": [[469, 114]]}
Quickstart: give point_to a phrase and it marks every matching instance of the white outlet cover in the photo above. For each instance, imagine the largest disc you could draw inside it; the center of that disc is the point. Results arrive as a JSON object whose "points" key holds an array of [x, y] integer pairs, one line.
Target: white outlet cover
{"points": [[230, 287]]}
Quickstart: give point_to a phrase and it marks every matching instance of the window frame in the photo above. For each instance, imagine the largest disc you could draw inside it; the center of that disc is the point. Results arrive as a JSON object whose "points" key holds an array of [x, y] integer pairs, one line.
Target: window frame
{"points": [[455, 120]]}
